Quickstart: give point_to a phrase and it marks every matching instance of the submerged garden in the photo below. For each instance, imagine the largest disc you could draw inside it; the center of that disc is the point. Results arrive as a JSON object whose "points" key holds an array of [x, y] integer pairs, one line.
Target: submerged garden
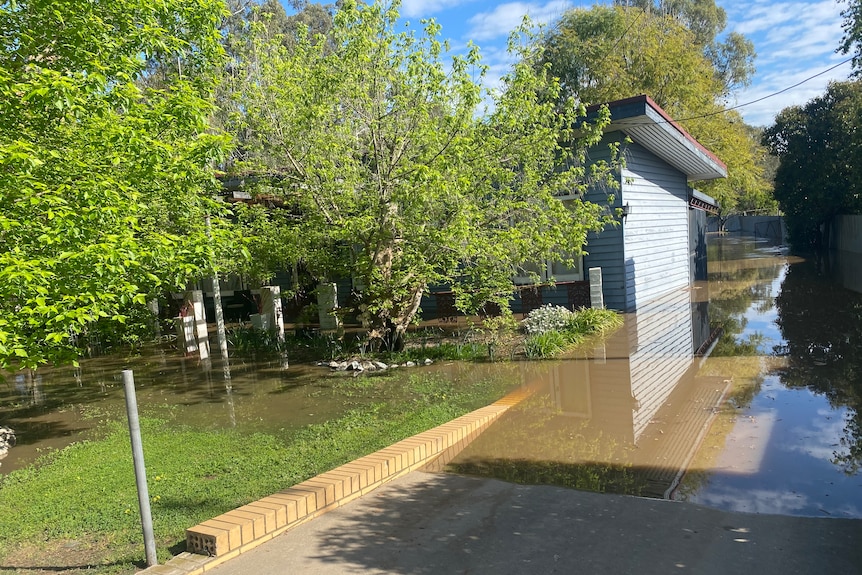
{"points": [[76, 507], [146, 147]]}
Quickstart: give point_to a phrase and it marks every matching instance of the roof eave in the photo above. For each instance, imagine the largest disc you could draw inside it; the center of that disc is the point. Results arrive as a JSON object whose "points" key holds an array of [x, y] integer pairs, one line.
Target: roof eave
{"points": [[647, 124]]}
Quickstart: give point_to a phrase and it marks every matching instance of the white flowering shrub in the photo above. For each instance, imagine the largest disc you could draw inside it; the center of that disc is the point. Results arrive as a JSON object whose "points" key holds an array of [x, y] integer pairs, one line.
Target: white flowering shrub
{"points": [[546, 319]]}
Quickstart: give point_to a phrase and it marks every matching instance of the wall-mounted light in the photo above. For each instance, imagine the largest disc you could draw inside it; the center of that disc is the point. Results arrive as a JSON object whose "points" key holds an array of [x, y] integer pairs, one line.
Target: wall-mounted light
{"points": [[625, 210]]}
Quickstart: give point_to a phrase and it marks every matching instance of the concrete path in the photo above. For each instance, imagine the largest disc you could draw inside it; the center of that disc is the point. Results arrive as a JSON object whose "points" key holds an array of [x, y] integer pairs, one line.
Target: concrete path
{"points": [[434, 523]]}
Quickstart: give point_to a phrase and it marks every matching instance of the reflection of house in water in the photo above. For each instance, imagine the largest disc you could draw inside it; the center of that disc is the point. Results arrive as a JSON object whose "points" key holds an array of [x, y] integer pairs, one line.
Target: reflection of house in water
{"points": [[642, 390], [637, 403]]}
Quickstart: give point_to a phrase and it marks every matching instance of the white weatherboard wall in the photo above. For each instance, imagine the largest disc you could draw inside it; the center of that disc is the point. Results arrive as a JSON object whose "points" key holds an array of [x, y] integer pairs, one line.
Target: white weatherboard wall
{"points": [[655, 233]]}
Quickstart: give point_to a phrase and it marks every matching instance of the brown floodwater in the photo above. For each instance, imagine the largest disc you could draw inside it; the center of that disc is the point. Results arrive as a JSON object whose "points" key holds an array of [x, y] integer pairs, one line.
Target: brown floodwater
{"points": [[60, 405], [743, 392]]}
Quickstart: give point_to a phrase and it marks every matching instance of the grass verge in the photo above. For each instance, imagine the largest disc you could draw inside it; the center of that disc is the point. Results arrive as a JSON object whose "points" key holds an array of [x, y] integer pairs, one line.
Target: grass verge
{"points": [[76, 510]]}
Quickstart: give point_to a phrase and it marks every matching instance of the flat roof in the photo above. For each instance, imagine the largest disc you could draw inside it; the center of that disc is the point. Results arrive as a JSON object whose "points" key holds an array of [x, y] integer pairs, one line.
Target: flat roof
{"points": [[647, 124]]}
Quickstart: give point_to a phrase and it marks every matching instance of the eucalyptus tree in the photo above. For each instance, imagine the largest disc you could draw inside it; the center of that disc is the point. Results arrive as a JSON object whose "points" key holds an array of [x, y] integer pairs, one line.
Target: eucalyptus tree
{"points": [[610, 52], [399, 180], [851, 41], [731, 54], [104, 180]]}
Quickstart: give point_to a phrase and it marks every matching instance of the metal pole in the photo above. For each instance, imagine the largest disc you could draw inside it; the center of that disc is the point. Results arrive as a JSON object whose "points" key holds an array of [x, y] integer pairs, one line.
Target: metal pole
{"points": [[217, 303], [140, 470]]}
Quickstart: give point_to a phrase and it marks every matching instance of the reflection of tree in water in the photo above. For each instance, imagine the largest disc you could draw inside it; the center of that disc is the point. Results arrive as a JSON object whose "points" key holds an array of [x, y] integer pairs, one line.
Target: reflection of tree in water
{"points": [[822, 326], [734, 288], [534, 444]]}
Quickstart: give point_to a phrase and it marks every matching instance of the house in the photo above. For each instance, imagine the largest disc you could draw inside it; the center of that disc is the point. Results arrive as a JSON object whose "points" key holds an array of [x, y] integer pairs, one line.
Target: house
{"points": [[659, 245]]}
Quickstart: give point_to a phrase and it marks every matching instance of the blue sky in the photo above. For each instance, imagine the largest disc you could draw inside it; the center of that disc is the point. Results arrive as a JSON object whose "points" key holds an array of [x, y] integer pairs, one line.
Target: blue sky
{"points": [[793, 40]]}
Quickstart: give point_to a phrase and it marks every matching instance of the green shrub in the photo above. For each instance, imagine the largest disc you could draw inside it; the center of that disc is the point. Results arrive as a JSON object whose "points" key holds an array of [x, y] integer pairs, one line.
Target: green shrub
{"points": [[246, 339], [589, 321], [553, 330], [546, 344]]}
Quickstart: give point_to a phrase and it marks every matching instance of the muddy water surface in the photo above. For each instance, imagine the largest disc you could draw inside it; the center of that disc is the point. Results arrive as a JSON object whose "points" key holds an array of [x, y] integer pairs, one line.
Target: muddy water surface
{"points": [[58, 406], [742, 393]]}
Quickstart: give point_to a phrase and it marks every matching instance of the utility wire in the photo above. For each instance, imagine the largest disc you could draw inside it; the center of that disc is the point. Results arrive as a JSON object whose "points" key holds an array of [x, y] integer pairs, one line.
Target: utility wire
{"points": [[620, 39], [768, 95], [772, 95]]}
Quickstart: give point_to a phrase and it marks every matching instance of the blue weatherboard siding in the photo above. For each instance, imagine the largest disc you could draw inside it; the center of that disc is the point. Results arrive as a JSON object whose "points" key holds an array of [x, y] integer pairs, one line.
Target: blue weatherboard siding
{"points": [[605, 249], [648, 255]]}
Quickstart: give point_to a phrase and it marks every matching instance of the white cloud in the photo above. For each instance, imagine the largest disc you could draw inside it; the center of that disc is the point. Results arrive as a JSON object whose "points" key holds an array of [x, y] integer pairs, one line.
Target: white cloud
{"points": [[506, 17], [822, 436], [794, 41], [766, 84], [770, 501], [758, 17]]}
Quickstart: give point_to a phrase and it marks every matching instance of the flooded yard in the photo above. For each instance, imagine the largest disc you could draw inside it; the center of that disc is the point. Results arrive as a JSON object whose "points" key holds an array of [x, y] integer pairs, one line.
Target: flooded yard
{"points": [[742, 392], [62, 405]]}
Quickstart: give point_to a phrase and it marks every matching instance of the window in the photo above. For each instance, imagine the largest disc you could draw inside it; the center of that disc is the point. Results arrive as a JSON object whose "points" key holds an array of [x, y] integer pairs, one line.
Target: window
{"points": [[550, 269]]}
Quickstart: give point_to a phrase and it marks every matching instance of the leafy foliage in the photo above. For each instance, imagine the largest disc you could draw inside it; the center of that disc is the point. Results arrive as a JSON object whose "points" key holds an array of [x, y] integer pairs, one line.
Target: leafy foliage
{"points": [[820, 149], [609, 53], [732, 59], [396, 179], [852, 39], [103, 178]]}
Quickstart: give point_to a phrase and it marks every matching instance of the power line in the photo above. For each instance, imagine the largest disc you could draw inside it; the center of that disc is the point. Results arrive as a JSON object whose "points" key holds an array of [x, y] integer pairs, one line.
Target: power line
{"points": [[623, 35], [772, 95]]}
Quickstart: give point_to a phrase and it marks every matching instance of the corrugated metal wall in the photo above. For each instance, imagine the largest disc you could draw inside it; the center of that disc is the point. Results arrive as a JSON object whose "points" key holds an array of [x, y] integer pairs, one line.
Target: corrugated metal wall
{"points": [[847, 234]]}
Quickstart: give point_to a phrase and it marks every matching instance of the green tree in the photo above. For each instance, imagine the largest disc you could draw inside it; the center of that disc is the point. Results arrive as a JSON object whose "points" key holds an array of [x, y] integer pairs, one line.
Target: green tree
{"points": [[399, 183], [819, 148], [249, 23], [102, 179], [851, 42], [608, 53], [732, 58]]}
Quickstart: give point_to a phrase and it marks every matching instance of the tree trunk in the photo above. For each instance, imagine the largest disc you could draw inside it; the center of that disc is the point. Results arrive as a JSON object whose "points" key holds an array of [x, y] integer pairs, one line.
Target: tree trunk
{"points": [[390, 325]]}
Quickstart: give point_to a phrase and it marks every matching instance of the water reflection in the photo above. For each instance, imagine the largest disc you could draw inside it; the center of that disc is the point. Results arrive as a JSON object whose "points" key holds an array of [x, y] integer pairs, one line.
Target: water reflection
{"points": [[764, 416], [823, 355], [788, 441], [742, 393], [60, 405], [625, 419], [55, 406]]}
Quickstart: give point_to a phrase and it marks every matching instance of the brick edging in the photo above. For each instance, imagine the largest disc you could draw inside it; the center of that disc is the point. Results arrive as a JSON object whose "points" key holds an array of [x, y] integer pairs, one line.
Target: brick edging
{"points": [[224, 537]]}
